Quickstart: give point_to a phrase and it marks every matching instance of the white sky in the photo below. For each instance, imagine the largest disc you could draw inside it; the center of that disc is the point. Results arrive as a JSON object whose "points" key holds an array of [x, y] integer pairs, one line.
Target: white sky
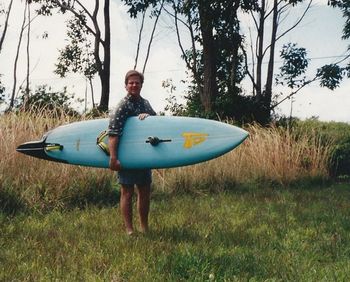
{"points": [[319, 33]]}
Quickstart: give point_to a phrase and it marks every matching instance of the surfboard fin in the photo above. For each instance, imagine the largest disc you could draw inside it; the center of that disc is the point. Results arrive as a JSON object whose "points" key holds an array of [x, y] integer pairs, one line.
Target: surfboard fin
{"points": [[154, 140], [39, 148]]}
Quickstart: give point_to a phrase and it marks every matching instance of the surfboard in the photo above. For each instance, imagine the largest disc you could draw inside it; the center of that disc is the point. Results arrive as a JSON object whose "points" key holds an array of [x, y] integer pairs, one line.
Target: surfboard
{"points": [[155, 142]]}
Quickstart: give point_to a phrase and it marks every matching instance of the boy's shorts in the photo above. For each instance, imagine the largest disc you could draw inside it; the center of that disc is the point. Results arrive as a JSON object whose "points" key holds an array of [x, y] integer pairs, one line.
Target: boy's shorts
{"points": [[135, 176]]}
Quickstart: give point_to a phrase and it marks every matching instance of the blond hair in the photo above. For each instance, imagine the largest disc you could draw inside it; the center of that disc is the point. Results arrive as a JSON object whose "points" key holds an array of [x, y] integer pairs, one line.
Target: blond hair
{"points": [[131, 73]]}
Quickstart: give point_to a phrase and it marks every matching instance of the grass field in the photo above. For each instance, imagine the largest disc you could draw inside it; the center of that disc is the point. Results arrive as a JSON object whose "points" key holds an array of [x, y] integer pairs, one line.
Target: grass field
{"points": [[247, 234]]}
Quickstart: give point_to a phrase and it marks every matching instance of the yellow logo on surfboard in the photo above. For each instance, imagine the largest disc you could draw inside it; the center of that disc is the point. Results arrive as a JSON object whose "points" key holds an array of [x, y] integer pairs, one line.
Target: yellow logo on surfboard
{"points": [[193, 139]]}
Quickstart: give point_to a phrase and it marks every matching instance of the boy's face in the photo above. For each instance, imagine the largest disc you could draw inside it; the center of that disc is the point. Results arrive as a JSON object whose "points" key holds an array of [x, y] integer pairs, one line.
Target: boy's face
{"points": [[134, 85]]}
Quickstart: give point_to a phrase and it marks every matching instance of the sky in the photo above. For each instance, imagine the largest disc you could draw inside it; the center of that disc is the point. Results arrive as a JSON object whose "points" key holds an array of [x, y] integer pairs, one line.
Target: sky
{"points": [[320, 33]]}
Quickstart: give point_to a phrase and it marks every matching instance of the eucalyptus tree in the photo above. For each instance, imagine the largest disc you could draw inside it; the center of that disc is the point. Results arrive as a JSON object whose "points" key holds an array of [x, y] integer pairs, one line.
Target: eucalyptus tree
{"points": [[84, 26], [212, 57], [267, 16], [77, 56], [22, 29], [4, 25], [217, 56]]}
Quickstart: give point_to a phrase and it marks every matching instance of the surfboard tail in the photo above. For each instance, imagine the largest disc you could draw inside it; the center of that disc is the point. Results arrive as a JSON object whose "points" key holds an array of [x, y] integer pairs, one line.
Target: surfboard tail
{"points": [[39, 148]]}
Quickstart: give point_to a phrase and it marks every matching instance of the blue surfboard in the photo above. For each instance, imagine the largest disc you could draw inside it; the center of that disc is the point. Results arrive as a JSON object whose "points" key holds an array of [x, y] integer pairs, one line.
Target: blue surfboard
{"points": [[155, 142]]}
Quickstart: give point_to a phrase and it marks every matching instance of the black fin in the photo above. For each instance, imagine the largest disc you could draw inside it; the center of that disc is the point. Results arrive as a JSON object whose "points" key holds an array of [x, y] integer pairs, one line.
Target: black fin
{"points": [[37, 149]]}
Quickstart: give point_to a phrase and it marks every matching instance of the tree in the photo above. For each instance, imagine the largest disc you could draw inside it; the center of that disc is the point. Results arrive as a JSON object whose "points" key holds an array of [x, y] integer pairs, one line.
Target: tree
{"points": [[77, 56], [264, 14], [2, 39], [100, 33], [217, 58], [334, 70], [14, 87], [135, 8], [4, 31], [29, 17], [213, 57]]}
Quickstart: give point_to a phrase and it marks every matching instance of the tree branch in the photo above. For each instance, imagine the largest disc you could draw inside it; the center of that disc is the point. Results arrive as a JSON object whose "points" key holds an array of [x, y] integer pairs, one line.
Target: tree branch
{"points": [[139, 39], [75, 13], [294, 92], [297, 23], [152, 35], [246, 67], [292, 27]]}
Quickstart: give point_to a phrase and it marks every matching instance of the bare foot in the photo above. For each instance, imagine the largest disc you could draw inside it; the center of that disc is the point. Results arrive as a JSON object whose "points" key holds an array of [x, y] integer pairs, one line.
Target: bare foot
{"points": [[144, 230], [130, 232]]}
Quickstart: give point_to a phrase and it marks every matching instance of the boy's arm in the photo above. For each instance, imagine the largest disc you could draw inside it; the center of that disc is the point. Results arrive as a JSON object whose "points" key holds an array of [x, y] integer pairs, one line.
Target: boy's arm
{"points": [[114, 163]]}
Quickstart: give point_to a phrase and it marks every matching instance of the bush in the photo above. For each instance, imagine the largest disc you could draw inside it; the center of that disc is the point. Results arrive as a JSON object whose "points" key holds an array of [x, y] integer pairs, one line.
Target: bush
{"points": [[45, 99], [336, 133], [340, 163]]}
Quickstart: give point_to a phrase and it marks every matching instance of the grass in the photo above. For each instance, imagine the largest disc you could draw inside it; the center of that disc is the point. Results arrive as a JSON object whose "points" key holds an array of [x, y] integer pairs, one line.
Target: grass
{"points": [[247, 234]]}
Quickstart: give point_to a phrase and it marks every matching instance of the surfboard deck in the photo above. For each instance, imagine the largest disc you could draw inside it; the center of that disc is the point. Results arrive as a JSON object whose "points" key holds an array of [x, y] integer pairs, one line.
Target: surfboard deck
{"points": [[156, 142]]}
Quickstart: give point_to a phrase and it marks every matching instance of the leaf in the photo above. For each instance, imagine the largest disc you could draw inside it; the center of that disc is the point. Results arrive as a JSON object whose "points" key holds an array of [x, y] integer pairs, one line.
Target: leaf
{"points": [[330, 75]]}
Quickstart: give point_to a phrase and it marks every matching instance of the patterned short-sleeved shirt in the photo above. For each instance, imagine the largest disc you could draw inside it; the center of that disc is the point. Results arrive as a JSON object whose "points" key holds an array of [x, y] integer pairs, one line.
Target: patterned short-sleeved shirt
{"points": [[127, 107]]}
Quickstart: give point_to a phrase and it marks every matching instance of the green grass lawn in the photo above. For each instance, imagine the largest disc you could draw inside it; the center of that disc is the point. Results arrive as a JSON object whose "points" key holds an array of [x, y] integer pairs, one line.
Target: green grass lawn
{"points": [[250, 234]]}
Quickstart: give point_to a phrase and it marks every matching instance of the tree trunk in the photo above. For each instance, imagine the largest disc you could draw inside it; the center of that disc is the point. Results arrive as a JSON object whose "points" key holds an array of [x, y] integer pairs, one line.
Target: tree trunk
{"points": [[152, 36], [12, 101], [266, 105], [92, 93], [260, 50], [106, 65], [5, 25], [28, 52], [236, 42], [139, 39], [209, 57]]}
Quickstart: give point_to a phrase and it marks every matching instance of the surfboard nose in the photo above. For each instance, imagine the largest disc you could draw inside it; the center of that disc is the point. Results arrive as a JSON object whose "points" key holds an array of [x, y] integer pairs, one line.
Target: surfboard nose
{"points": [[242, 135], [245, 134]]}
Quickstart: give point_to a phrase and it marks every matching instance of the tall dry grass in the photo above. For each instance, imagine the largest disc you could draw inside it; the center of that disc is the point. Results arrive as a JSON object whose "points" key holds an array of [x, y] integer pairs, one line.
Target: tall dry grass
{"points": [[269, 154]]}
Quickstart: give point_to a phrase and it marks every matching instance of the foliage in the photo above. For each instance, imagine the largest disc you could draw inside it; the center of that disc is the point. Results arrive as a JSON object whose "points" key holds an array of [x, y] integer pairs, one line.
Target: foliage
{"points": [[337, 72], [230, 101], [344, 5], [292, 72], [77, 56], [80, 55], [225, 56], [45, 99], [330, 75], [295, 63], [95, 113], [215, 40]]}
